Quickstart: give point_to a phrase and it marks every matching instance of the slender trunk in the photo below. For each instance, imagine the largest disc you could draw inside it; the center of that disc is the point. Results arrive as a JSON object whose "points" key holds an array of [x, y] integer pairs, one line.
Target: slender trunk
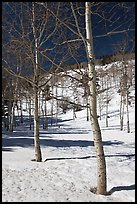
{"points": [[122, 116], [10, 127], [42, 110], [74, 113], [100, 112], [21, 114], [87, 108], [45, 110], [18, 113], [99, 105], [131, 75], [128, 127], [52, 105], [56, 106], [8, 117], [106, 115], [12, 117], [38, 155], [30, 113], [107, 101], [121, 113], [101, 164]]}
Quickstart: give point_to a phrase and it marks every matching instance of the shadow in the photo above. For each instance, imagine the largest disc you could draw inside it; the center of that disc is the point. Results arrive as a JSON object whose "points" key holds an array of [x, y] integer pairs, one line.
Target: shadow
{"points": [[121, 188], [65, 158], [7, 149], [66, 131], [65, 120], [22, 141], [115, 142], [67, 143], [52, 121], [88, 157], [128, 156], [72, 143], [25, 138], [111, 128]]}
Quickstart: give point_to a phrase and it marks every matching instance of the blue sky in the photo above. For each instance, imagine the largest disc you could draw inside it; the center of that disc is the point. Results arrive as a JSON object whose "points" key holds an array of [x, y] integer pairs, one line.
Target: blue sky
{"points": [[115, 18]]}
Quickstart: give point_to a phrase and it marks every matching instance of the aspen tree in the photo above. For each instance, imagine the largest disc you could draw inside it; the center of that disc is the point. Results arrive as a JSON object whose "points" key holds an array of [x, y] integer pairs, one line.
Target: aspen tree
{"points": [[101, 163]]}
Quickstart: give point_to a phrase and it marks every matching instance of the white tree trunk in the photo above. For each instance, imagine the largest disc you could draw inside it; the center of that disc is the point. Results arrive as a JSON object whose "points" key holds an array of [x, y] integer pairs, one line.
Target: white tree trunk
{"points": [[87, 103], [29, 112], [21, 114], [101, 164], [128, 127], [45, 111], [38, 156], [121, 112], [56, 106]]}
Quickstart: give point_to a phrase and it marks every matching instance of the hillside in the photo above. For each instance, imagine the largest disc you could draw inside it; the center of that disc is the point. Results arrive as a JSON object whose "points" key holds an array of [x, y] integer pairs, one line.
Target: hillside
{"points": [[68, 170]]}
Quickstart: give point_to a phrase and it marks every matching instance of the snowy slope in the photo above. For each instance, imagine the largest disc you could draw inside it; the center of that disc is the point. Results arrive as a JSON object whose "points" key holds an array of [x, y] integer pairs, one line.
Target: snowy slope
{"points": [[68, 170], [70, 167]]}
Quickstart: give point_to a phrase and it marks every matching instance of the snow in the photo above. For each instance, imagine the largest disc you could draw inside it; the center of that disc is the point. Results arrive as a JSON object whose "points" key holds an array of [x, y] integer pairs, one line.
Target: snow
{"points": [[68, 170]]}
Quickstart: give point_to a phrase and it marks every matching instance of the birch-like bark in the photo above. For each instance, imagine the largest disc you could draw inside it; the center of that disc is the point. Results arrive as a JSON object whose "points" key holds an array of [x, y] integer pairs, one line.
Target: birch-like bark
{"points": [[127, 101], [101, 164], [45, 112], [38, 156], [29, 112], [122, 109], [87, 103], [21, 114], [56, 106]]}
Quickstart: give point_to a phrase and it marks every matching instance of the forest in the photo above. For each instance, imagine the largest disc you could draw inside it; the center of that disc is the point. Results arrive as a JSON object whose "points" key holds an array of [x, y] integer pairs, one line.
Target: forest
{"points": [[56, 60]]}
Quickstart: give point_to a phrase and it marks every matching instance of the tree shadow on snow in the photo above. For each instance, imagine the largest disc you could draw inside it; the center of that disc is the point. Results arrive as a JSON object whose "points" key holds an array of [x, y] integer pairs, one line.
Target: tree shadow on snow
{"points": [[87, 157], [121, 188], [72, 143], [51, 120], [65, 158], [25, 140], [7, 149]]}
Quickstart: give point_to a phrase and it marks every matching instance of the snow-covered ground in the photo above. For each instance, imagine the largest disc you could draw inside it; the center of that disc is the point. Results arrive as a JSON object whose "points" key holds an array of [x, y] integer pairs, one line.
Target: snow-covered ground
{"points": [[68, 170]]}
